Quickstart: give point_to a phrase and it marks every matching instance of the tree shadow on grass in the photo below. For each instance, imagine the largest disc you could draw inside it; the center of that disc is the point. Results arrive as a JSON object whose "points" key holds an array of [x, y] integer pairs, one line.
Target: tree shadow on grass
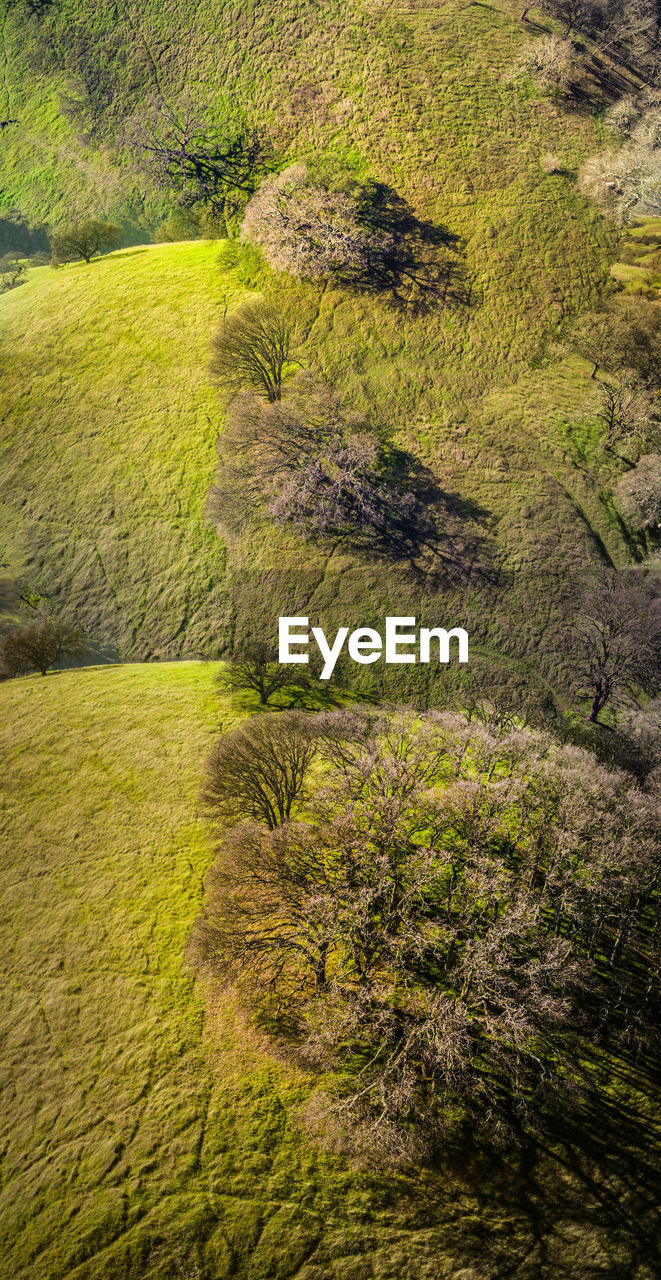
{"points": [[415, 263], [444, 536], [598, 84], [578, 1199]]}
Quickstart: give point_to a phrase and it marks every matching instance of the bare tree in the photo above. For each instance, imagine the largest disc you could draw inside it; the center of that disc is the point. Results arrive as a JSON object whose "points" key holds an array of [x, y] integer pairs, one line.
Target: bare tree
{"points": [[638, 493], [600, 337], [615, 646], [252, 347], [308, 230], [345, 489], [13, 268], [38, 646], [85, 240], [547, 60], [255, 667], [259, 769], [626, 410], [272, 911], [624, 339], [316, 467]]}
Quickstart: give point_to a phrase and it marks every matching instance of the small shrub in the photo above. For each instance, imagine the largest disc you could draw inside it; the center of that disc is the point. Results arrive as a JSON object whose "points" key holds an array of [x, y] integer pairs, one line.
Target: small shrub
{"points": [[550, 164]]}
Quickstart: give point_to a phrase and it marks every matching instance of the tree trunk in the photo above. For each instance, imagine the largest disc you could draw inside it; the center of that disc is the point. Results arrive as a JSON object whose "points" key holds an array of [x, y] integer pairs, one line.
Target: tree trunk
{"points": [[595, 370], [525, 13], [598, 704], [320, 973]]}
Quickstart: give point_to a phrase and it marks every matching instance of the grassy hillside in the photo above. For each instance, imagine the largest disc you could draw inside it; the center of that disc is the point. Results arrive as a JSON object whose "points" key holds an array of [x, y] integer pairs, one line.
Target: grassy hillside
{"points": [[107, 402], [142, 1137], [413, 93], [109, 428], [108, 445]]}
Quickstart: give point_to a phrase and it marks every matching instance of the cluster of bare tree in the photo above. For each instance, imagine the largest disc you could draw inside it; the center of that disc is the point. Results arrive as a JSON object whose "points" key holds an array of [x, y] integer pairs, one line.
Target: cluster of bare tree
{"points": [[300, 455], [626, 179], [626, 31], [608, 50], [431, 928], [627, 28]]}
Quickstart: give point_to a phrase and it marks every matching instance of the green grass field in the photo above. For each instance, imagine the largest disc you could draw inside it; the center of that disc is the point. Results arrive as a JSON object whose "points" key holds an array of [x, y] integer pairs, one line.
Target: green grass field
{"points": [[109, 445], [145, 1131]]}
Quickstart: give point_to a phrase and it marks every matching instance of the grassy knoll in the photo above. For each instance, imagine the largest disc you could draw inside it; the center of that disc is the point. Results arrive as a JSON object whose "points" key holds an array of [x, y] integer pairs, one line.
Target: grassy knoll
{"points": [[142, 1137], [109, 428]]}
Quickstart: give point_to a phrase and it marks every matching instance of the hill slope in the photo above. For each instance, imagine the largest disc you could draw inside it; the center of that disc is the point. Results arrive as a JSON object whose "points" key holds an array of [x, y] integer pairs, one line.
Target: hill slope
{"points": [[138, 1142], [109, 427], [108, 446], [104, 366]]}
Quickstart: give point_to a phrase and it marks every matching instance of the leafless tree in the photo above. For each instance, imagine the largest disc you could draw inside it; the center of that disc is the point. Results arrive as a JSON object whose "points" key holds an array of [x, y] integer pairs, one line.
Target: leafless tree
{"points": [[345, 489], [13, 268], [85, 240], [638, 493], [615, 645], [600, 337], [259, 769], [624, 339], [314, 466], [305, 229], [365, 235], [252, 347], [38, 646], [627, 410], [547, 60], [255, 666]]}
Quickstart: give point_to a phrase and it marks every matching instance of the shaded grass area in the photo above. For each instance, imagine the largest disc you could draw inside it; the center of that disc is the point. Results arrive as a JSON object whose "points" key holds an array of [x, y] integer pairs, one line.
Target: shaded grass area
{"points": [[144, 1137]]}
